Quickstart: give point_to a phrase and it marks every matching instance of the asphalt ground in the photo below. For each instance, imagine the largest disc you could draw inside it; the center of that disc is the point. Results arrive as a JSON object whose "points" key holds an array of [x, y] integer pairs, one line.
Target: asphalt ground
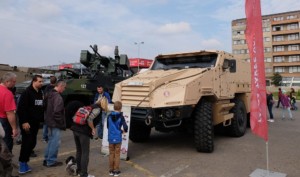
{"points": [[174, 155]]}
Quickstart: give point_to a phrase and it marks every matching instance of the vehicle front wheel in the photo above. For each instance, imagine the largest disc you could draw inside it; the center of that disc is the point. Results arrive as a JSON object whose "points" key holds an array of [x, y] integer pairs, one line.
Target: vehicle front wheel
{"points": [[239, 121], [203, 127]]}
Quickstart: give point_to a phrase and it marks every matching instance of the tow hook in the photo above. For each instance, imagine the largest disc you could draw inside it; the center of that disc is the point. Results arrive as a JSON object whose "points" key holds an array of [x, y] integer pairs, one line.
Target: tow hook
{"points": [[148, 121]]}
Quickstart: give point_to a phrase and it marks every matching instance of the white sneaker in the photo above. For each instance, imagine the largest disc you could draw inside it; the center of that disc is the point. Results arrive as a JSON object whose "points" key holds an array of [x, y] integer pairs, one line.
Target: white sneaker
{"points": [[270, 120], [90, 175]]}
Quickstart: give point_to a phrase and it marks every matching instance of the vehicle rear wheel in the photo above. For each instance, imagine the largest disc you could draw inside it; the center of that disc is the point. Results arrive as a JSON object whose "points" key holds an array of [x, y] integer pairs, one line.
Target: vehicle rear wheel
{"points": [[203, 127], [71, 109], [139, 131], [239, 121]]}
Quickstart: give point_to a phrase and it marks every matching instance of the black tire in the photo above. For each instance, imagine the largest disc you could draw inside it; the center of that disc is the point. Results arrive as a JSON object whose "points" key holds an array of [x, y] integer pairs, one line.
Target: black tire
{"points": [[70, 111], [203, 127], [139, 132], [239, 122]]}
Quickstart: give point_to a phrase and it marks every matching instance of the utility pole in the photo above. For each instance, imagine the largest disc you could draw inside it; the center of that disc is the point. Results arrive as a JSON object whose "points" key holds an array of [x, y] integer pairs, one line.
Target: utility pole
{"points": [[138, 44]]}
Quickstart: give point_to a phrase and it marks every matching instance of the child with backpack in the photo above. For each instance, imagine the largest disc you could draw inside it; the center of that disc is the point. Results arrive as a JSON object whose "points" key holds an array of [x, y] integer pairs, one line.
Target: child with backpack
{"points": [[115, 122], [83, 130]]}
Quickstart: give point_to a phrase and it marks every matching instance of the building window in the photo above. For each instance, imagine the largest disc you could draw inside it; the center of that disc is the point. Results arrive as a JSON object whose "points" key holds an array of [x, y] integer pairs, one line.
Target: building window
{"points": [[278, 18], [293, 47], [268, 70], [240, 23], [277, 28], [241, 32], [266, 39], [279, 69], [278, 48], [238, 32], [267, 49], [294, 58], [279, 59], [238, 42], [247, 60], [266, 20], [292, 26], [236, 52], [266, 29], [278, 38], [292, 37], [294, 69], [268, 60], [291, 17]]}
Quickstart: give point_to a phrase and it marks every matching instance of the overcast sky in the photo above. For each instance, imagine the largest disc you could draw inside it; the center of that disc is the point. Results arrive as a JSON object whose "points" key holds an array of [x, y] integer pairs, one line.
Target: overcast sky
{"points": [[40, 32]]}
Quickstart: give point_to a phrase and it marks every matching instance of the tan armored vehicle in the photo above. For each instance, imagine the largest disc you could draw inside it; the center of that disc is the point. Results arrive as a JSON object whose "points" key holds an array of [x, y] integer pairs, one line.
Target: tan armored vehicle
{"points": [[194, 91]]}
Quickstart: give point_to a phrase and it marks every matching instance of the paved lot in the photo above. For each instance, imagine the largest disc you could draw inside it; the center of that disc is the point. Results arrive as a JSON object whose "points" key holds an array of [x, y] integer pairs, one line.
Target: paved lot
{"points": [[174, 155]]}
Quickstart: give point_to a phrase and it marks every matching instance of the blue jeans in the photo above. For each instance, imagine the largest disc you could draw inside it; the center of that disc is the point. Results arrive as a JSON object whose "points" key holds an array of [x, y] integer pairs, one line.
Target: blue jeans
{"points": [[52, 146], [8, 132], [270, 110], [100, 125], [45, 132]]}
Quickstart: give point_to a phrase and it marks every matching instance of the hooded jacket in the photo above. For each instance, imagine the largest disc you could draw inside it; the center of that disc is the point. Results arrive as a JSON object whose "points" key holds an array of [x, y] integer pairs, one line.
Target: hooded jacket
{"points": [[30, 106], [115, 121], [55, 111]]}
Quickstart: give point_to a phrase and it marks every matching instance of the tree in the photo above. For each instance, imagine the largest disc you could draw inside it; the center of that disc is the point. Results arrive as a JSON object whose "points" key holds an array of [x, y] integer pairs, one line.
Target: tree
{"points": [[276, 79]]}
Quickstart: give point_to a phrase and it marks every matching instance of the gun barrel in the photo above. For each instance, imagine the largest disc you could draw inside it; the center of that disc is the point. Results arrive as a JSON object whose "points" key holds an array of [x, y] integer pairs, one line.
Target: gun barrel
{"points": [[103, 60]]}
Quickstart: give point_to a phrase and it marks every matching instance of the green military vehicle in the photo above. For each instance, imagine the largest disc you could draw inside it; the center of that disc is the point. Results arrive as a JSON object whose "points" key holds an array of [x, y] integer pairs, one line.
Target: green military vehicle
{"points": [[194, 91], [101, 70], [81, 87]]}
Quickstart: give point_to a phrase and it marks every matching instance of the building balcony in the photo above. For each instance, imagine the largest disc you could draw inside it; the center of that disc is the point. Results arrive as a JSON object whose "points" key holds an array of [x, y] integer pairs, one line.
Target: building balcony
{"points": [[288, 74], [296, 20], [284, 53], [282, 64], [286, 42], [282, 32]]}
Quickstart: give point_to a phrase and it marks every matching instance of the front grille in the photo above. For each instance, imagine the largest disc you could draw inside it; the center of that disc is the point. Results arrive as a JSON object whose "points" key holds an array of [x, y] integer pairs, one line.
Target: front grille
{"points": [[134, 95], [139, 113]]}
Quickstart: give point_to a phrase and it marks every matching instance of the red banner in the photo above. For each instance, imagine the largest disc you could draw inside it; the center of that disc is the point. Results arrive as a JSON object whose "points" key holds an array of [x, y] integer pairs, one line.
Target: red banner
{"points": [[254, 37], [143, 63]]}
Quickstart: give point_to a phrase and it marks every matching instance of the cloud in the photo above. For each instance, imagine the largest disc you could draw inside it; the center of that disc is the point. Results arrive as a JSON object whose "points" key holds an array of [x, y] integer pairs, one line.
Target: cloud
{"points": [[174, 28], [38, 33], [236, 9], [212, 44], [279, 6]]}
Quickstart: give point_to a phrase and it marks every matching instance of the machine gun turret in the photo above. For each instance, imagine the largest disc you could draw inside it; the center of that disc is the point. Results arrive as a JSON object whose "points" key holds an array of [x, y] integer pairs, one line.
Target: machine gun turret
{"points": [[109, 66]]}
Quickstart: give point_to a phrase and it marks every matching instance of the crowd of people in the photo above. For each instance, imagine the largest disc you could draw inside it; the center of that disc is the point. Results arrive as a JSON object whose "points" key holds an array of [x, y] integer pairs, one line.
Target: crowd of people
{"points": [[286, 100], [35, 106]]}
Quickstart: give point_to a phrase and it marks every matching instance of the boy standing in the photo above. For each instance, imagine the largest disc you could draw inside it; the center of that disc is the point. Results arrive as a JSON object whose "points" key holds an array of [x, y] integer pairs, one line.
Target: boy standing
{"points": [[115, 121]]}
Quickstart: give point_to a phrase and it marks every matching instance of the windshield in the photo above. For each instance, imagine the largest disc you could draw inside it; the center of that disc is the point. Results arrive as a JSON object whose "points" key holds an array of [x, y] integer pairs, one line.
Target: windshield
{"points": [[200, 61]]}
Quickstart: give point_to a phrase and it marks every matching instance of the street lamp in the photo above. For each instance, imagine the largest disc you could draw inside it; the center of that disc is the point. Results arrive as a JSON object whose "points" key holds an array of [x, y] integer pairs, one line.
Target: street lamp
{"points": [[138, 44]]}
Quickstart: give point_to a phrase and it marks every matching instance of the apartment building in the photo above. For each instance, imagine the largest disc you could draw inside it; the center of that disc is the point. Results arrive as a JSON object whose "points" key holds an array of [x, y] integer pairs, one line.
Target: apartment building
{"points": [[281, 45]]}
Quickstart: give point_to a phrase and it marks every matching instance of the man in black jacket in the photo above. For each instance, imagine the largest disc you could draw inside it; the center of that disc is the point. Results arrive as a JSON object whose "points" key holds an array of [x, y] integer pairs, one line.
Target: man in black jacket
{"points": [[31, 112]]}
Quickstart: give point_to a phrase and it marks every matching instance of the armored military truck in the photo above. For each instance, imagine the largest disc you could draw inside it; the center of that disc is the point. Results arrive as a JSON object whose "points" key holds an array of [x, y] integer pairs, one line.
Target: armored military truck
{"points": [[193, 91]]}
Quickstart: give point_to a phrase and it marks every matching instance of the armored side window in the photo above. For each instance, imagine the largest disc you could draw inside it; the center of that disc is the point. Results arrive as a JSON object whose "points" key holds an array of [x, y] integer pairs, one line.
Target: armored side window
{"points": [[231, 64]]}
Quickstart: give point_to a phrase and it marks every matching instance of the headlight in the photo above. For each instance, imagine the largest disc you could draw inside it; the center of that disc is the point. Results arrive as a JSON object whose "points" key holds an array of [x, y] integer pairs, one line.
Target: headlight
{"points": [[169, 113]]}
